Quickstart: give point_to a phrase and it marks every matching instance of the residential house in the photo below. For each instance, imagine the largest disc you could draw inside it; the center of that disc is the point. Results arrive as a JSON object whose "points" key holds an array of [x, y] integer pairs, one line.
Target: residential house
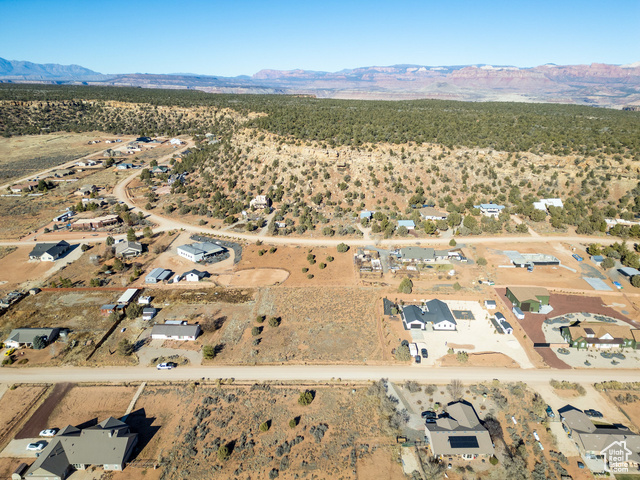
{"points": [[459, 433], [600, 335], [528, 299], [157, 275], [408, 224], [148, 313], [417, 255], [175, 141], [366, 214], [435, 313], [194, 275], [160, 169], [128, 249], [24, 337], [28, 186], [260, 202], [49, 252], [63, 172], [175, 332], [430, 213], [544, 204], [108, 444], [593, 440], [490, 209], [504, 326], [199, 251], [86, 190], [127, 296], [125, 166], [95, 223]]}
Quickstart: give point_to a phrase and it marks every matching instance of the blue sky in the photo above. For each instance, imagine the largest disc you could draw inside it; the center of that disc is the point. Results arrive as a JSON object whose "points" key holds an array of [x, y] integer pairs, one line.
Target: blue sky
{"points": [[242, 37]]}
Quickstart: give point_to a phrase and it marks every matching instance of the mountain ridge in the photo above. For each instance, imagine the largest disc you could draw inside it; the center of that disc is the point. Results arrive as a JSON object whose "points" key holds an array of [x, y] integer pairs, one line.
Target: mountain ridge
{"points": [[593, 84]]}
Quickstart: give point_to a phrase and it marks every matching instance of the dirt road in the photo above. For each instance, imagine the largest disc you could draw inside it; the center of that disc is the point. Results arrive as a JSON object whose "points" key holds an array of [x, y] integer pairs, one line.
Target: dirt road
{"points": [[312, 373]]}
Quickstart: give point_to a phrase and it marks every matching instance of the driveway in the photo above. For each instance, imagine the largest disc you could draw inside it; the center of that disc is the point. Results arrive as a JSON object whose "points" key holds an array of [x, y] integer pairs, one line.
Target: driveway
{"points": [[154, 349], [18, 448]]}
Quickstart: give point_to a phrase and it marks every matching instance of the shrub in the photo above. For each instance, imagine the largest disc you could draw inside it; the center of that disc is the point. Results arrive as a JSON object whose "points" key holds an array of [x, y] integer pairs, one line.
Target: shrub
{"points": [[208, 352], [293, 423], [322, 266], [261, 252], [223, 453], [457, 286], [329, 259], [274, 322], [7, 361], [608, 263], [125, 348], [493, 460], [452, 243], [272, 250], [635, 280], [134, 310], [406, 285], [310, 276], [305, 269], [260, 318], [403, 353], [481, 261], [255, 331], [305, 398], [85, 247], [463, 357], [343, 247], [264, 427]]}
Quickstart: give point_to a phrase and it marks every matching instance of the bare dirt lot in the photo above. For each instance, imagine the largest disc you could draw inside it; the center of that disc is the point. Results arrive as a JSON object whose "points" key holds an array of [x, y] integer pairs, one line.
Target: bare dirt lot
{"points": [[39, 420], [16, 406], [259, 277], [199, 419], [340, 271], [15, 268]]}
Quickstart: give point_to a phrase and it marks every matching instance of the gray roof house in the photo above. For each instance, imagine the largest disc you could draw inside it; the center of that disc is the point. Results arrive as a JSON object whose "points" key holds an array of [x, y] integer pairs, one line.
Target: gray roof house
{"points": [[49, 252], [199, 251], [109, 444], [459, 433], [594, 439], [417, 254], [194, 275], [24, 337], [175, 332], [434, 312], [128, 249]]}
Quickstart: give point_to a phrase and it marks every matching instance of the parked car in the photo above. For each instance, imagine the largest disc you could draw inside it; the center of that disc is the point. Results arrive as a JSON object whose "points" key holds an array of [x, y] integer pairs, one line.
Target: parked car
{"points": [[549, 411], [618, 285], [9, 352], [565, 428], [50, 432], [418, 359], [593, 413], [36, 447], [424, 353], [166, 366], [428, 414], [580, 465]]}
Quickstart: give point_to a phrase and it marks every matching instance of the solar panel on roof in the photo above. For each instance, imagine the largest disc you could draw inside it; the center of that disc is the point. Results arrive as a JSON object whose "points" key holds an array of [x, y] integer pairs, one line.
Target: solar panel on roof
{"points": [[469, 441]]}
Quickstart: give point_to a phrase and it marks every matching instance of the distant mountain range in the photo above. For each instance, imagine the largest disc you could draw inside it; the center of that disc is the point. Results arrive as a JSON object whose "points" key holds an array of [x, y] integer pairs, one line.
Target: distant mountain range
{"points": [[595, 84]]}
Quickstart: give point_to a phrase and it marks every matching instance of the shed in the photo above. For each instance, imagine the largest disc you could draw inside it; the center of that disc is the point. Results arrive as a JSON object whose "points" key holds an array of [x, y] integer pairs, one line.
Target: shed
{"points": [[108, 309], [148, 313], [157, 275], [128, 295], [528, 299]]}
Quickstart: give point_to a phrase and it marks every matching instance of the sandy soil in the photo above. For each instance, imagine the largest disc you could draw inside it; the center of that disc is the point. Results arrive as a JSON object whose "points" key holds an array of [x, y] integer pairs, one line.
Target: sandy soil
{"points": [[631, 409], [293, 259], [83, 405], [16, 268], [480, 360], [15, 406], [260, 277], [379, 465]]}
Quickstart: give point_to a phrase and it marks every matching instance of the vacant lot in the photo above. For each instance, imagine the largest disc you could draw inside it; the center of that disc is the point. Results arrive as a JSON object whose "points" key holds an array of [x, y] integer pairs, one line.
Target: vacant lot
{"points": [[184, 427], [15, 408], [339, 271], [22, 156], [15, 268]]}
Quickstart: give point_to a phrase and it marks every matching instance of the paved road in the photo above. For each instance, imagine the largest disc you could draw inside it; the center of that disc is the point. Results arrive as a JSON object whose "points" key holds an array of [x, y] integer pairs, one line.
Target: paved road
{"points": [[311, 373]]}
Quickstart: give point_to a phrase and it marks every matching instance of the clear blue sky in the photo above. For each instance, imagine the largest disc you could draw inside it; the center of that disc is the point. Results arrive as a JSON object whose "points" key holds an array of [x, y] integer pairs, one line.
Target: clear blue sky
{"points": [[236, 37]]}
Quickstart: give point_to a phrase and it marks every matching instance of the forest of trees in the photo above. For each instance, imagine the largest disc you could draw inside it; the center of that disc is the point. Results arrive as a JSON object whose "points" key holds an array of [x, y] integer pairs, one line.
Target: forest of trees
{"points": [[512, 127]]}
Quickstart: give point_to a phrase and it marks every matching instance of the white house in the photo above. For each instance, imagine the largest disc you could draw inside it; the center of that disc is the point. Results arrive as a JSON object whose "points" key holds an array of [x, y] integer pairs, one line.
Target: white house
{"points": [[144, 301], [430, 213], [545, 203], [175, 332], [260, 202], [490, 209], [409, 224], [148, 313], [490, 304], [434, 312], [175, 141], [194, 275]]}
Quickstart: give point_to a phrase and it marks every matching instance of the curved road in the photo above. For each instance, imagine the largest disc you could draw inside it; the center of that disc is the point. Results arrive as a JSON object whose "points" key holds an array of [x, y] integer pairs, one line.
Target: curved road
{"points": [[311, 373]]}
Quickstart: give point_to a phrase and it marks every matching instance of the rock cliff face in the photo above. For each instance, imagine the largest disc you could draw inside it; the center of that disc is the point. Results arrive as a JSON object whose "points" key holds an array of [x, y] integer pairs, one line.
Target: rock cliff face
{"points": [[595, 84]]}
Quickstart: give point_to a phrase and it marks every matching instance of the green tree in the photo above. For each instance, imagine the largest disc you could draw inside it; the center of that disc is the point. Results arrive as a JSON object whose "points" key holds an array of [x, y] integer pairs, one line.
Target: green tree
{"points": [[608, 263], [125, 348], [134, 310], [293, 423], [343, 247], [452, 243], [264, 427], [274, 322], [255, 331], [635, 281], [147, 232], [406, 285], [131, 235], [118, 266], [39, 342], [223, 453], [109, 241], [305, 398], [481, 261], [208, 352]]}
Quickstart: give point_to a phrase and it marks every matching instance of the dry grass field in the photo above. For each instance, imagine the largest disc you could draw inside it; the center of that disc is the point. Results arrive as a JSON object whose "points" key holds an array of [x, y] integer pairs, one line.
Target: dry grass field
{"points": [[16, 407]]}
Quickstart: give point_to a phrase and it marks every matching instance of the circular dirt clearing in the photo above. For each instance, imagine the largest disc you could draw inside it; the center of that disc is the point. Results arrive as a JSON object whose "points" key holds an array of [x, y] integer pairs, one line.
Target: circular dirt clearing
{"points": [[258, 277]]}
